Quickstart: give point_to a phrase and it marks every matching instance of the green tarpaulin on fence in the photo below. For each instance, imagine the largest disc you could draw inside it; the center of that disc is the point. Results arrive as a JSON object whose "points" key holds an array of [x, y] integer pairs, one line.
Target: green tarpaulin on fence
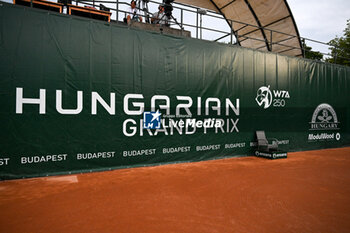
{"points": [[73, 92]]}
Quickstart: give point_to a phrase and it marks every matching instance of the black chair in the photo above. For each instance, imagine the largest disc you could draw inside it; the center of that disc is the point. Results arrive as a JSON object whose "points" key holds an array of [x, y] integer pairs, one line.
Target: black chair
{"points": [[263, 143]]}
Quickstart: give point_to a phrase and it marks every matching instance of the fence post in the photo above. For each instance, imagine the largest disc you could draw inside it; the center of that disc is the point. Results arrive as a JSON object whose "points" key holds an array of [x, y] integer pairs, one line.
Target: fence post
{"points": [[271, 40], [231, 32], [117, 8], [182, 18], [201, 31], [197, 24]]}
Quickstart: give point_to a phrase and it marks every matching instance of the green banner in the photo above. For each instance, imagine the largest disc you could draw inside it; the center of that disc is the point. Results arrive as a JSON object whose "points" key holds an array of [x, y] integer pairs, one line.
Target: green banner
{"points": [[78, 95]]}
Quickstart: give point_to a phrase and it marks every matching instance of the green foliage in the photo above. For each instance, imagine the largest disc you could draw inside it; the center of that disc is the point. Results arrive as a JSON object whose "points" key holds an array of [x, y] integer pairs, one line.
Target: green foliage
{"points": [[311, 54], [340, 49]]}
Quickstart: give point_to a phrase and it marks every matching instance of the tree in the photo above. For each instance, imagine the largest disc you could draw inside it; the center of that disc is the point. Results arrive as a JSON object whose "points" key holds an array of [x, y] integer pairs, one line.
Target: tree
{"points": [[340, 50], [311, 54]]}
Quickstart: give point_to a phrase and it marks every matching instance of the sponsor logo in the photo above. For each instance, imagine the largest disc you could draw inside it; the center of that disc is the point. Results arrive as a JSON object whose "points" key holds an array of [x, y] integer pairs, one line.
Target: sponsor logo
{"points": [[266, 98], [151, 120], [324, 118], [321, 136], [279, 155], [271, 155], [324, 137]]}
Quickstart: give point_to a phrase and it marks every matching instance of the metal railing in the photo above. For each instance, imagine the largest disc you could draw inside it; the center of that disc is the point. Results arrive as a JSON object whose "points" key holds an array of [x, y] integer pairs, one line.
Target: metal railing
{"points": [[191, 18]]}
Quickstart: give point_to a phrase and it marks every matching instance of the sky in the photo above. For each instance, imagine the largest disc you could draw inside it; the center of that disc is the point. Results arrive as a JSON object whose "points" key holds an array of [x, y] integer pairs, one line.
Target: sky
{"points": [[320, 20]]}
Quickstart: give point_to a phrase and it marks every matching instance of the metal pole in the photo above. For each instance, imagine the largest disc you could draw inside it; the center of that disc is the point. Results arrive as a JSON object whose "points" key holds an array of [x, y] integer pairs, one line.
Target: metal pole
{"points": [[271, 40], [303, 46], [200, 26], [182, 18], [93, 3], [197, 25], [31, 3], [231, 33], [117, 8]]}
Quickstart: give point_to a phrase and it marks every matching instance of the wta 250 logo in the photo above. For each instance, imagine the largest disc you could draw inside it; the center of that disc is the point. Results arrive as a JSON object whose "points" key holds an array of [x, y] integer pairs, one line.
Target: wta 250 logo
{"points": [[265, 97]]}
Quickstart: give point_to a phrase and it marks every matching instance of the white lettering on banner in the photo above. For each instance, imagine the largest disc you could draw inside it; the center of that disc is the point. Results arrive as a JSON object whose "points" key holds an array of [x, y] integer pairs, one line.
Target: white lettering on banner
{"points": [[160, 97], [96, 155], [133, 153], [43, 159], [199, 106], [321, 136], [235, 145], [281, 94], [4, 161], [280, 155], [189, 126], [234, 108], [109, 108], [134, 105], [128, 98], [69, 111], [139, 105], [132, 128], [172, 150], [20, 101], [208, 147], [216, 108], [257, 153], [186, 107]]}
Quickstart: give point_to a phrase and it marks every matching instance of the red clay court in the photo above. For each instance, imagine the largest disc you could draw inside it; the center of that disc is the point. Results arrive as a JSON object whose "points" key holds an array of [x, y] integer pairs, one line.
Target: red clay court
{"points": [[308, 192]]}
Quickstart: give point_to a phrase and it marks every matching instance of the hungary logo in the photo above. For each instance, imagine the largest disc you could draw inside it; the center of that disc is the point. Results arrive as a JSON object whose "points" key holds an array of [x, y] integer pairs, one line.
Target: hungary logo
{"points": [[324, 118]]}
